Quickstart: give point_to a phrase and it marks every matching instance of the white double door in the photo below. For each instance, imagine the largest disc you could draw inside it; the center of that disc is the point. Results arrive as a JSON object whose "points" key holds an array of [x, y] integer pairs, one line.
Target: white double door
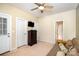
{"points": [[21, 32], [5, 32]]}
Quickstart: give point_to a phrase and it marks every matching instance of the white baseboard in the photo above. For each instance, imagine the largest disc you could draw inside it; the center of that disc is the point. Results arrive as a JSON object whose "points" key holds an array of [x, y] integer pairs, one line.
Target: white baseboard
{"points": [[13, 49], [45, 41]]}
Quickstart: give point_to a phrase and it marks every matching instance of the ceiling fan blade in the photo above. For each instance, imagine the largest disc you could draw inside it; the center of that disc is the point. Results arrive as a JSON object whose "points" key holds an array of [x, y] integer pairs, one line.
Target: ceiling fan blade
{"points": [[43, 4], [38, 4], [42, 11], [34, 8], [48, 6], [48, 10]]}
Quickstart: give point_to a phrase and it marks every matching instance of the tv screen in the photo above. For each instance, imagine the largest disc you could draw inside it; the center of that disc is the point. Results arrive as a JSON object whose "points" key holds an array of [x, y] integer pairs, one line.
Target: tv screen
{"points": [[31, 24]]}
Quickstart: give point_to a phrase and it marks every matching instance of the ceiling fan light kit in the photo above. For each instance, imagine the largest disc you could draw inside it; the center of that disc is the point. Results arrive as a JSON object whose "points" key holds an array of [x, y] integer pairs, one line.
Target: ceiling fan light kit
{"points": [[42, 7]]}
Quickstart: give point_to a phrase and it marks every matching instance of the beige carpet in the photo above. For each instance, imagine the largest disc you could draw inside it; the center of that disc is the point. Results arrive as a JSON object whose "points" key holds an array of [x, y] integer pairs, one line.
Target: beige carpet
{"points": [[39, 49]]}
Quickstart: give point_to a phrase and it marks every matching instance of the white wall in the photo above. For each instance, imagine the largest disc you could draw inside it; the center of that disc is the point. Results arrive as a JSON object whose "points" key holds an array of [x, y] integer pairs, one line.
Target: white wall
{"points": [[46, 29]]}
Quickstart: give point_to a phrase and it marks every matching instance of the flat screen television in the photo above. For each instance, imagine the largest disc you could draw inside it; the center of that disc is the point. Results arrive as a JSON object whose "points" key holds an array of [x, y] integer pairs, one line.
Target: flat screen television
{"points": [[30, 24]]}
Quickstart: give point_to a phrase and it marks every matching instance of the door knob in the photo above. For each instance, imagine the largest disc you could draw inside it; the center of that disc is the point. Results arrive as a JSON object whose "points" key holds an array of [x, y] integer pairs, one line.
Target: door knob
{"points": [[24, 33], [8, 34]]}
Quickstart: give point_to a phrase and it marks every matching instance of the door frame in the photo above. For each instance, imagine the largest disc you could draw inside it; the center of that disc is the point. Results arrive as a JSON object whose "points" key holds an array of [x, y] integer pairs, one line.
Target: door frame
{"points": [[16, 29], [10, 27]]}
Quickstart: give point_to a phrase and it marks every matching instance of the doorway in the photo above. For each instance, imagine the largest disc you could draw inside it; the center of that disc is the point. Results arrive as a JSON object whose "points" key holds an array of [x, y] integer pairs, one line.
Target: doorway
{"points": [[59, 30]]}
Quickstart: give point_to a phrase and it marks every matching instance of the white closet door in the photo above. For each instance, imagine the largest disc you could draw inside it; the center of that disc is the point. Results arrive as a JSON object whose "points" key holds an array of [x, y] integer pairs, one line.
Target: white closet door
{"points": [[4, 33], [21, 29]]}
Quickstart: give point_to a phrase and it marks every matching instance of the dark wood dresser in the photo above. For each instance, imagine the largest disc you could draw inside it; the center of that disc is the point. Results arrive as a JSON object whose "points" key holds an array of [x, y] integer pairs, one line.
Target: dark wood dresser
{"points": [[32, 37]]}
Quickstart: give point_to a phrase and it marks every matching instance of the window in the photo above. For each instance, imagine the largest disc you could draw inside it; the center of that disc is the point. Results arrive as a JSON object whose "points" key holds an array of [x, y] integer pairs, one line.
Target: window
{"points": [[3, 26]]}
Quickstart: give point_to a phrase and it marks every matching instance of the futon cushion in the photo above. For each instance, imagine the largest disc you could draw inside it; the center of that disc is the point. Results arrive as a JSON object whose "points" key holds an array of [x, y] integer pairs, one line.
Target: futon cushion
{"points": [[72, 52], [60, 53]]}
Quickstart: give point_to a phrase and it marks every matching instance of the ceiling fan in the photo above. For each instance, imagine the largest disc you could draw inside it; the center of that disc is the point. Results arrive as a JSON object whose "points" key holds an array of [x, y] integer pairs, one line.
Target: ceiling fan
{"points": [[42, 7]]}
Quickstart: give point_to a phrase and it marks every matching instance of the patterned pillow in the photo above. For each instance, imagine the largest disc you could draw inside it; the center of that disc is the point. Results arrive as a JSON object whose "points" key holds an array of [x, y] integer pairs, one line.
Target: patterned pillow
{"points": [[69, 44], [63, 48]]}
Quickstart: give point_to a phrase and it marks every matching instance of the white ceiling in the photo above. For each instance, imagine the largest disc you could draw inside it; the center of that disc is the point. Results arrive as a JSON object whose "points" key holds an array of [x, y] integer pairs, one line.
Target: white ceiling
{"points": [[58, 7]]}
